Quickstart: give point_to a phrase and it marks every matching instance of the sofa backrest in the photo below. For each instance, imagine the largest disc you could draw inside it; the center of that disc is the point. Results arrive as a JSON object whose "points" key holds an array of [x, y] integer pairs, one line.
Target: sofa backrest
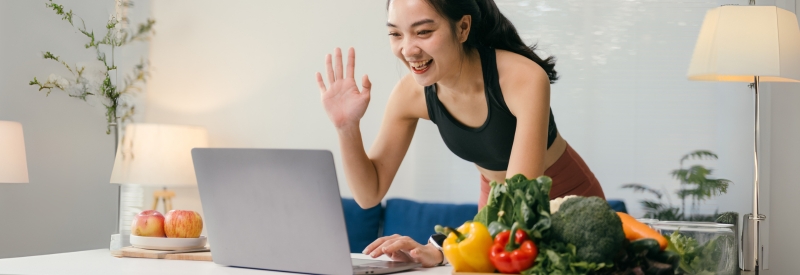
{"points": [[417, 219]]}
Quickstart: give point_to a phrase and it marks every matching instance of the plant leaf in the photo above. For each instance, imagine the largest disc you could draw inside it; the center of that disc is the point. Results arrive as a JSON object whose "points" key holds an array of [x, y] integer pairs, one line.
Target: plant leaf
{"points": [[699, 154], [640, 188]]}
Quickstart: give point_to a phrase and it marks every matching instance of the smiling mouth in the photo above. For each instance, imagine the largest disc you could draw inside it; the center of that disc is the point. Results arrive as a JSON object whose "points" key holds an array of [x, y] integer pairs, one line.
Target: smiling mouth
{"points": [[420, 67]]}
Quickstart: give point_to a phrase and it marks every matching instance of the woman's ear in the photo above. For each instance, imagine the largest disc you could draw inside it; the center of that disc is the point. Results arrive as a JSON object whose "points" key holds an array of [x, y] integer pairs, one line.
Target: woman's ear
{"points": [[463, 28]]}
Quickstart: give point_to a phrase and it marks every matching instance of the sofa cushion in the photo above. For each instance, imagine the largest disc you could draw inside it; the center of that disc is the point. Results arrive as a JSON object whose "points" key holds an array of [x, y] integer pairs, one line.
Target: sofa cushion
{"points": [[363, 225], [416, 220]]}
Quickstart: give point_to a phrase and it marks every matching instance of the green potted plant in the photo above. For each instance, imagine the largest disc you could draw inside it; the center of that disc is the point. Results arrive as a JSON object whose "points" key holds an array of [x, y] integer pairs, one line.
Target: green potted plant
{"points": [[697, 185]]}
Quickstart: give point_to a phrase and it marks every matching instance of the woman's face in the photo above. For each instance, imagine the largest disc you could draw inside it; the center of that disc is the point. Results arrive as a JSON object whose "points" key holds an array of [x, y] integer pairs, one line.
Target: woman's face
{"points": [[423, 40]]}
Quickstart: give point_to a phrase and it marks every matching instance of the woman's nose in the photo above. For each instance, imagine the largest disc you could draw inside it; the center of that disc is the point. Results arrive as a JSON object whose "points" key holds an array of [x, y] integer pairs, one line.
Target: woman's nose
{"points": [[410, 49]]}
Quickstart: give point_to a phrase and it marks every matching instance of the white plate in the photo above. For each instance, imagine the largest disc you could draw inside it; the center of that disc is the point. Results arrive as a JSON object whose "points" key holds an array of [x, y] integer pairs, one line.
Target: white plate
{"points": [[159, 243]]}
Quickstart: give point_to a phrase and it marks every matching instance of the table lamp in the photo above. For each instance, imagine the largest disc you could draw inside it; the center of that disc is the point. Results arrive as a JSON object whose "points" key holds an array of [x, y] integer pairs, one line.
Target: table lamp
{"points": [[158, 155], [13, 164], [748, 44]]}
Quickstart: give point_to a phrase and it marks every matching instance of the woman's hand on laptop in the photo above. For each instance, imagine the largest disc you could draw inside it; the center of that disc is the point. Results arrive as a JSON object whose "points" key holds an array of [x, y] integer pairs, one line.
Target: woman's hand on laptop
{"points": [[404, 249]]}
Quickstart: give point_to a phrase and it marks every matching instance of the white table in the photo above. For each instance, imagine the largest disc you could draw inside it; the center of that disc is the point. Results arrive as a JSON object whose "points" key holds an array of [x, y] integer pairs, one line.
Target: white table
{"points": [[101, 262]]}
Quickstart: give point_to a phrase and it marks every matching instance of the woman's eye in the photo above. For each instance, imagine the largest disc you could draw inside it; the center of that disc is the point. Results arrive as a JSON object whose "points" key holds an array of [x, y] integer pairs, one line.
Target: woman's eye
{"points": [[423, 32], [393, 34]]}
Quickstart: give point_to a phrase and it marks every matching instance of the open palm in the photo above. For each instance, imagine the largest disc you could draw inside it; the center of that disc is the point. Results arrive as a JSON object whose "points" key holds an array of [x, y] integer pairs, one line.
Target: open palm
{"points": [[342, 100]]}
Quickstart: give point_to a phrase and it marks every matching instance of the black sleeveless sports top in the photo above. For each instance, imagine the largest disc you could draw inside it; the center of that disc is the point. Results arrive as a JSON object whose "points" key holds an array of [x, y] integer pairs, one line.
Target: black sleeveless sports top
{"points": [[488, 146]]}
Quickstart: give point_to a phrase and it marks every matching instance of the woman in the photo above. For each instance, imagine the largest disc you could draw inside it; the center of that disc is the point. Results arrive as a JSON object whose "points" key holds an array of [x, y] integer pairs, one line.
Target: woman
{"points": [[487, 92]]}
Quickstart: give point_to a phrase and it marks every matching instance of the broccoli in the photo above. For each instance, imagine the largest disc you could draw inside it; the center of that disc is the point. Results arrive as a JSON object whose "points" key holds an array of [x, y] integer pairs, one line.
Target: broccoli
{"points": [[592, 226]]}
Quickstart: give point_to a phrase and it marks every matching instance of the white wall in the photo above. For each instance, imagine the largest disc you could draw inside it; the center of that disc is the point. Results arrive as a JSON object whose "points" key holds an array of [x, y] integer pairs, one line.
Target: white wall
{"points": [[69, 204], [245, 70], [782, 191], [783, 197]]}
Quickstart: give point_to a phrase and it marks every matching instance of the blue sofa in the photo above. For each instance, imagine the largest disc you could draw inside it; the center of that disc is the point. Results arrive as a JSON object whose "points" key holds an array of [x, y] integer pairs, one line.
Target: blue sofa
{"points": [[408, 218]]}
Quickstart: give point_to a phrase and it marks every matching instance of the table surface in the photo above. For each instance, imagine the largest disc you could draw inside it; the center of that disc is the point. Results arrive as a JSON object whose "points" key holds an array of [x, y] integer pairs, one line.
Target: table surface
{"points": [[99, 261]]}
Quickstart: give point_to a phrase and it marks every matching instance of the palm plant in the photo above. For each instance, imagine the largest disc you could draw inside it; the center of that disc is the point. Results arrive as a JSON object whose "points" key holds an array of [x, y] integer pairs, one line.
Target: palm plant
{"points": [[696, 186]]}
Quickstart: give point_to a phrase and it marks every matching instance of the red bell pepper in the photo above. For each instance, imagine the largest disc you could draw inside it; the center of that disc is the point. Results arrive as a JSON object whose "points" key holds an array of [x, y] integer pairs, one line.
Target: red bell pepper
{"points": [[512, 256]]}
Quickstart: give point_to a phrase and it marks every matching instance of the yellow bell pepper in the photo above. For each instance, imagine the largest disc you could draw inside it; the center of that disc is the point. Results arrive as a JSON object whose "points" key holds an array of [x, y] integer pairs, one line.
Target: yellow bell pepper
{"points": [[467, 248]]}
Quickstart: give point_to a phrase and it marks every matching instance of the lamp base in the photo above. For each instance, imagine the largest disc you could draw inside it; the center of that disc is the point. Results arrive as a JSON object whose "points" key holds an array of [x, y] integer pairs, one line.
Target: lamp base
{"points": [[749, 225], [118, 241], [130, 203]]}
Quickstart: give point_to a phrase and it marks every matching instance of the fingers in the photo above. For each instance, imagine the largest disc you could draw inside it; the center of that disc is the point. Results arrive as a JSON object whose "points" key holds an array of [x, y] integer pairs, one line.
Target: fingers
{"points": [[329, 68], [351, 63], [338, 70], [399, 244], [320, 83], [390, 245], [400, 256], [377, 243], [367, 85], [404, 249]]}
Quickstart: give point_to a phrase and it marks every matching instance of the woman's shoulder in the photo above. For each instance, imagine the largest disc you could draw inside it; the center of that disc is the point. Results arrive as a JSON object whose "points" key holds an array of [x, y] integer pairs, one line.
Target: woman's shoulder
{"points": [[409, 85], [410, 96], [514, 64], [516, 70]]}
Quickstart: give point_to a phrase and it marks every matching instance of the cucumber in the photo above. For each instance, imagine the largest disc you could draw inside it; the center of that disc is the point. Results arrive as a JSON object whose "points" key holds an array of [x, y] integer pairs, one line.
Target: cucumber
{"points": [[649, 245]]}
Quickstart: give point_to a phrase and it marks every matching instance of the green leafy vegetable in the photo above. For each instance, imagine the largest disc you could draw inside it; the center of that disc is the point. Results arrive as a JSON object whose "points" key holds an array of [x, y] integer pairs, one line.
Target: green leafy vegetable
{"points": [[642, 257], [497, 227], [519, 200], [561, 259], [696, 258]]}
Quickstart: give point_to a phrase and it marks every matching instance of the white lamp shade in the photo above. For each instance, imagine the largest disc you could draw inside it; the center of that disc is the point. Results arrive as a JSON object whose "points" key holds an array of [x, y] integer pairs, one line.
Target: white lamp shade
{"points": [[157, 154], [13, 163], [737, 43]]}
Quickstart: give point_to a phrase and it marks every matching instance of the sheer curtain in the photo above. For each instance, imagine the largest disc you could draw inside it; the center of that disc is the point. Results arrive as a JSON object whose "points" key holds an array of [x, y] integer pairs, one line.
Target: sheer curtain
{"points": [[623, 102]]}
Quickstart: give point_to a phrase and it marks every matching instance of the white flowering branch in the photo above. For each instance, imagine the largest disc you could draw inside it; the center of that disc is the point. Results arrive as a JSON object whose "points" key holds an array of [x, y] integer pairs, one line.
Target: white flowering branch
{"points": [[89, 81]]}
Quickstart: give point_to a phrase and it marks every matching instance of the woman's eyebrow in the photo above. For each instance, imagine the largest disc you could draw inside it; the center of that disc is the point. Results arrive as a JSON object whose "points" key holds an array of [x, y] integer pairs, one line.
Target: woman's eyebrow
{"points": [[420, 22]]}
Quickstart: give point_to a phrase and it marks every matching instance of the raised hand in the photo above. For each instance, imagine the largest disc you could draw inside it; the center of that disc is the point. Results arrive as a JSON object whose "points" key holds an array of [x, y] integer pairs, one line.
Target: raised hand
{"points": [[342, 100]]}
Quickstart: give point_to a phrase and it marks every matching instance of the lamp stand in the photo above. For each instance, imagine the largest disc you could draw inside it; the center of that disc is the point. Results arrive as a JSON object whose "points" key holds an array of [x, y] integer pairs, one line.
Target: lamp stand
{"points": [[165, 196], [752, 259], [129, 203]]}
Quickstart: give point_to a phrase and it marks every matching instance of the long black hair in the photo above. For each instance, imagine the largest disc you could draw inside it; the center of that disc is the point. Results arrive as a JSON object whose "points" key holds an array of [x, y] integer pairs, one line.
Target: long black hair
{"points": [[489, 28]]}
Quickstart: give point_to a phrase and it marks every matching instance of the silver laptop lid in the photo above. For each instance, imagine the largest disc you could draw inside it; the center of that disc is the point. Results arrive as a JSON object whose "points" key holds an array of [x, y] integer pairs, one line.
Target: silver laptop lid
{"points": [[276, 209]]}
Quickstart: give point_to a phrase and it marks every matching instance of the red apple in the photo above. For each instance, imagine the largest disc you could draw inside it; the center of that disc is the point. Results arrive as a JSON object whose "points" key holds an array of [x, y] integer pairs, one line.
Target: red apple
{"points": [[148, 223], [183, 224]]}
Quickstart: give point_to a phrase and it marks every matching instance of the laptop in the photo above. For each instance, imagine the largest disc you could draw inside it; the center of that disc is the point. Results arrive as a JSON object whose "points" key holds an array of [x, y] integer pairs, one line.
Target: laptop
{"points": [[278, 209]]}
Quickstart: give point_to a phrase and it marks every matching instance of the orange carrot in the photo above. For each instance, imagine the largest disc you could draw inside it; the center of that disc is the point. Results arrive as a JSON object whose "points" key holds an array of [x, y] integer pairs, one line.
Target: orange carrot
{"points": [[635, 230]]}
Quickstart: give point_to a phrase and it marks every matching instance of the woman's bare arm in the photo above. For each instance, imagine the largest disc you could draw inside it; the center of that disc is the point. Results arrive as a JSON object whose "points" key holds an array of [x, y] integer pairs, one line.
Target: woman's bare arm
{"points": [[526, 89], [370, 176]]}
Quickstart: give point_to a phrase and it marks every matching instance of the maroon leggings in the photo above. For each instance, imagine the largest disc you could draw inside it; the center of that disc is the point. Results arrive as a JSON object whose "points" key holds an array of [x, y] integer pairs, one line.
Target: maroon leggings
{"points": [[570, 176]]}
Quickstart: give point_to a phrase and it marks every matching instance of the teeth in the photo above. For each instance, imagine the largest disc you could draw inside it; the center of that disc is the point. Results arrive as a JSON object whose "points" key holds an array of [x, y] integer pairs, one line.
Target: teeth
{"points": [[420, 65]]}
